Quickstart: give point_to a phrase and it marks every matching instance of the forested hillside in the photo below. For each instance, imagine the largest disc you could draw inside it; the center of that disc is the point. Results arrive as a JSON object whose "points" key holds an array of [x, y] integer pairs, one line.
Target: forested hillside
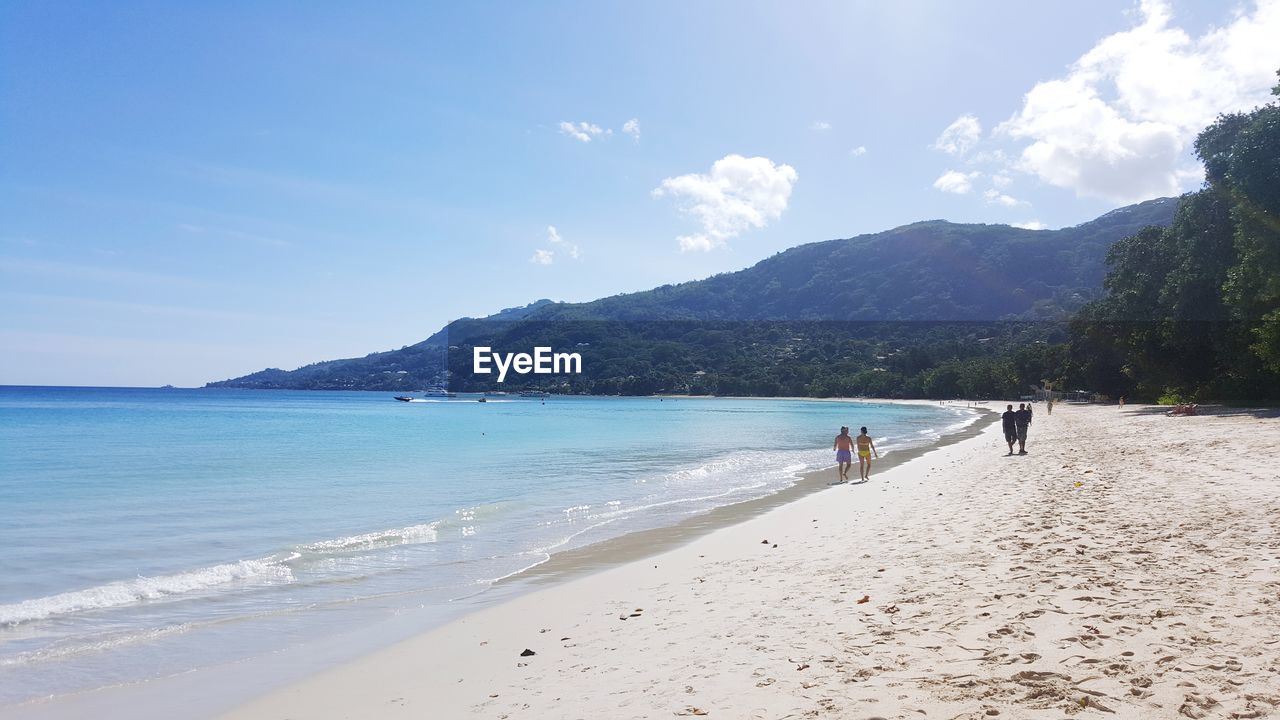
{"points": [[933, 270], [865, 315]]}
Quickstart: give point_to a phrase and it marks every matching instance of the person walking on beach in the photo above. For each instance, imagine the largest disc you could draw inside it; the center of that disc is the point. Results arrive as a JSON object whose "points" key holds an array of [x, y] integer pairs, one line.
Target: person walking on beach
{"points": [[844, 453], [1022, 419], [865, 448], [1010, 423]]}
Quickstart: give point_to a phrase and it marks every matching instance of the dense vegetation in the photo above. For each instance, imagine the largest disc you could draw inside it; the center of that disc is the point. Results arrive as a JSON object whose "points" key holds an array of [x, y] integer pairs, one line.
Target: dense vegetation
{"points": [[1192, 311], [771, 358]]}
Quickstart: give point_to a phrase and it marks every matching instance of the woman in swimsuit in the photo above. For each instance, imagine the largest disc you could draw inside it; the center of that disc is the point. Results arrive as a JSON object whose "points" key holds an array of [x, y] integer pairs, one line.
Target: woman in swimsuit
{"points": [[865, 448]]}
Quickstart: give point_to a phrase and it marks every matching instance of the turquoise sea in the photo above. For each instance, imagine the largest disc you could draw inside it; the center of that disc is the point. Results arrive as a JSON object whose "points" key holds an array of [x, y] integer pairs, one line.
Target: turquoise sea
{"points": [[146, 533]]}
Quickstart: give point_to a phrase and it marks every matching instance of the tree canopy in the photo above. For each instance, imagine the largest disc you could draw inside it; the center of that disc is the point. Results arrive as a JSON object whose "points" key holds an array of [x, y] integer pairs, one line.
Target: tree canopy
{"points": [[1193, 310]]}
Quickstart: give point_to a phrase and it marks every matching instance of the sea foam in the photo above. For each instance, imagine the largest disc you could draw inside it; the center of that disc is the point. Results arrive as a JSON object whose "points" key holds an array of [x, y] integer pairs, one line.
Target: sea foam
{"points": [[277, 569], [142, 589]]}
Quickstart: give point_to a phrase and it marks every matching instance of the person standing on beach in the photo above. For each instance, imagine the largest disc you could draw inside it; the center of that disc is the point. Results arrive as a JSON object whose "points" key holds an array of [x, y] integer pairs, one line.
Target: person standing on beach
{"points": [[1022, 419], [865, 448], [1010, 423], [844, 453]]}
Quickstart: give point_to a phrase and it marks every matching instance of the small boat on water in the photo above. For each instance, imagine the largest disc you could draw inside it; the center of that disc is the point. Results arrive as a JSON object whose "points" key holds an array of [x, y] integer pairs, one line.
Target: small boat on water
{"points": [[427, 396], [482, 400]]}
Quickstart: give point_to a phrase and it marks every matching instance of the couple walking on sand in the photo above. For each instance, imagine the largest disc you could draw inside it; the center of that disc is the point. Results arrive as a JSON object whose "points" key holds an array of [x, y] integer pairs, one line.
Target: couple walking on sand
{"points": [[844, 446], [1015, 426]]}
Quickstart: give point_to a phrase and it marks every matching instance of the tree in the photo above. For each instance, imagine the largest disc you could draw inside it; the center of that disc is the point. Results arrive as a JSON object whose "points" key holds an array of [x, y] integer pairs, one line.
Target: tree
{"points": [[1194, 309]]}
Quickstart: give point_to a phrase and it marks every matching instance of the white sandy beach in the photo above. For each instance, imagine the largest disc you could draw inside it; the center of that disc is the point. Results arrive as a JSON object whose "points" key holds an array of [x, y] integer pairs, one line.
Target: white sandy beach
{"points": [[1129, 565]]}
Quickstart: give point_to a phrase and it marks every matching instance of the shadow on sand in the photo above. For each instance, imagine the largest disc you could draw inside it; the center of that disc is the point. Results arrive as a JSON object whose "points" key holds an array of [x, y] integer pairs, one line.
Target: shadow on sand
{"points": [[1207, 410]]}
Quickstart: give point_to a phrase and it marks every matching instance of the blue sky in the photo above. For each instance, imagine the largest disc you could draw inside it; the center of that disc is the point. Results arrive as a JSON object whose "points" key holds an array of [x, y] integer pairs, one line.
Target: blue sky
{"points": [[193, 191]]}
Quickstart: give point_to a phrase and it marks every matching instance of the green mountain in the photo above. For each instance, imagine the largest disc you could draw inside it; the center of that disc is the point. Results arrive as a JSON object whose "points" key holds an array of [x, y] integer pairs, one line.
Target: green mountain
{"points": [[811, 320], [933, 270]]}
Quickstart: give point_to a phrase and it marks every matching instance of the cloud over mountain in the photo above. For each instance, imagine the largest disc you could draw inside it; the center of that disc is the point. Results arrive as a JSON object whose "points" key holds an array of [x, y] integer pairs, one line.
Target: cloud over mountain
{"points": [[960, 136], [954, 181], [556, 245], [739, 193], [1118, 125]]}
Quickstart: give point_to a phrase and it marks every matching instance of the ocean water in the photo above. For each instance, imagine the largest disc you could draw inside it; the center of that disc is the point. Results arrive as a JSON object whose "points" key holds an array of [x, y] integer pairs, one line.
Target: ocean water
{"points": [[146, 533]]}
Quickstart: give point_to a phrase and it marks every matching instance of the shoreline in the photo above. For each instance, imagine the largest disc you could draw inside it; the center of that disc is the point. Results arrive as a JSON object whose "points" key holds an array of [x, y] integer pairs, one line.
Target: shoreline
{"points": [[561, 567], [631, 552], [961, 583], [635, 546]]}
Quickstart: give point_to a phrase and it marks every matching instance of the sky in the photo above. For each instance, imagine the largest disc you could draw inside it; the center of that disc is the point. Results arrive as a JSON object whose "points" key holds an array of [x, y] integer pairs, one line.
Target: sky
{"points": [[195, 191]]}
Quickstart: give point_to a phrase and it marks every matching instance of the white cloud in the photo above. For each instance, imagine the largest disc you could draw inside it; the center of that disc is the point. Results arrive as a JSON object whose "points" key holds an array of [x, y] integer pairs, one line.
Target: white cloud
{"points": [[558, 246], [632, 128], [960, 136], [698, 243], [954, 181], [1000, 180], [1120, 123], [1030, 225], [986, 157], [820, 125], [995, 197], [859, 151], [738, 194], [583, 131]]}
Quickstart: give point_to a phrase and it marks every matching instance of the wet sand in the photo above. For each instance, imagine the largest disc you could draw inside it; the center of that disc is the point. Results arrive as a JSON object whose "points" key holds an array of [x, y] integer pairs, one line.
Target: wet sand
{"points": [[645, 543]]}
